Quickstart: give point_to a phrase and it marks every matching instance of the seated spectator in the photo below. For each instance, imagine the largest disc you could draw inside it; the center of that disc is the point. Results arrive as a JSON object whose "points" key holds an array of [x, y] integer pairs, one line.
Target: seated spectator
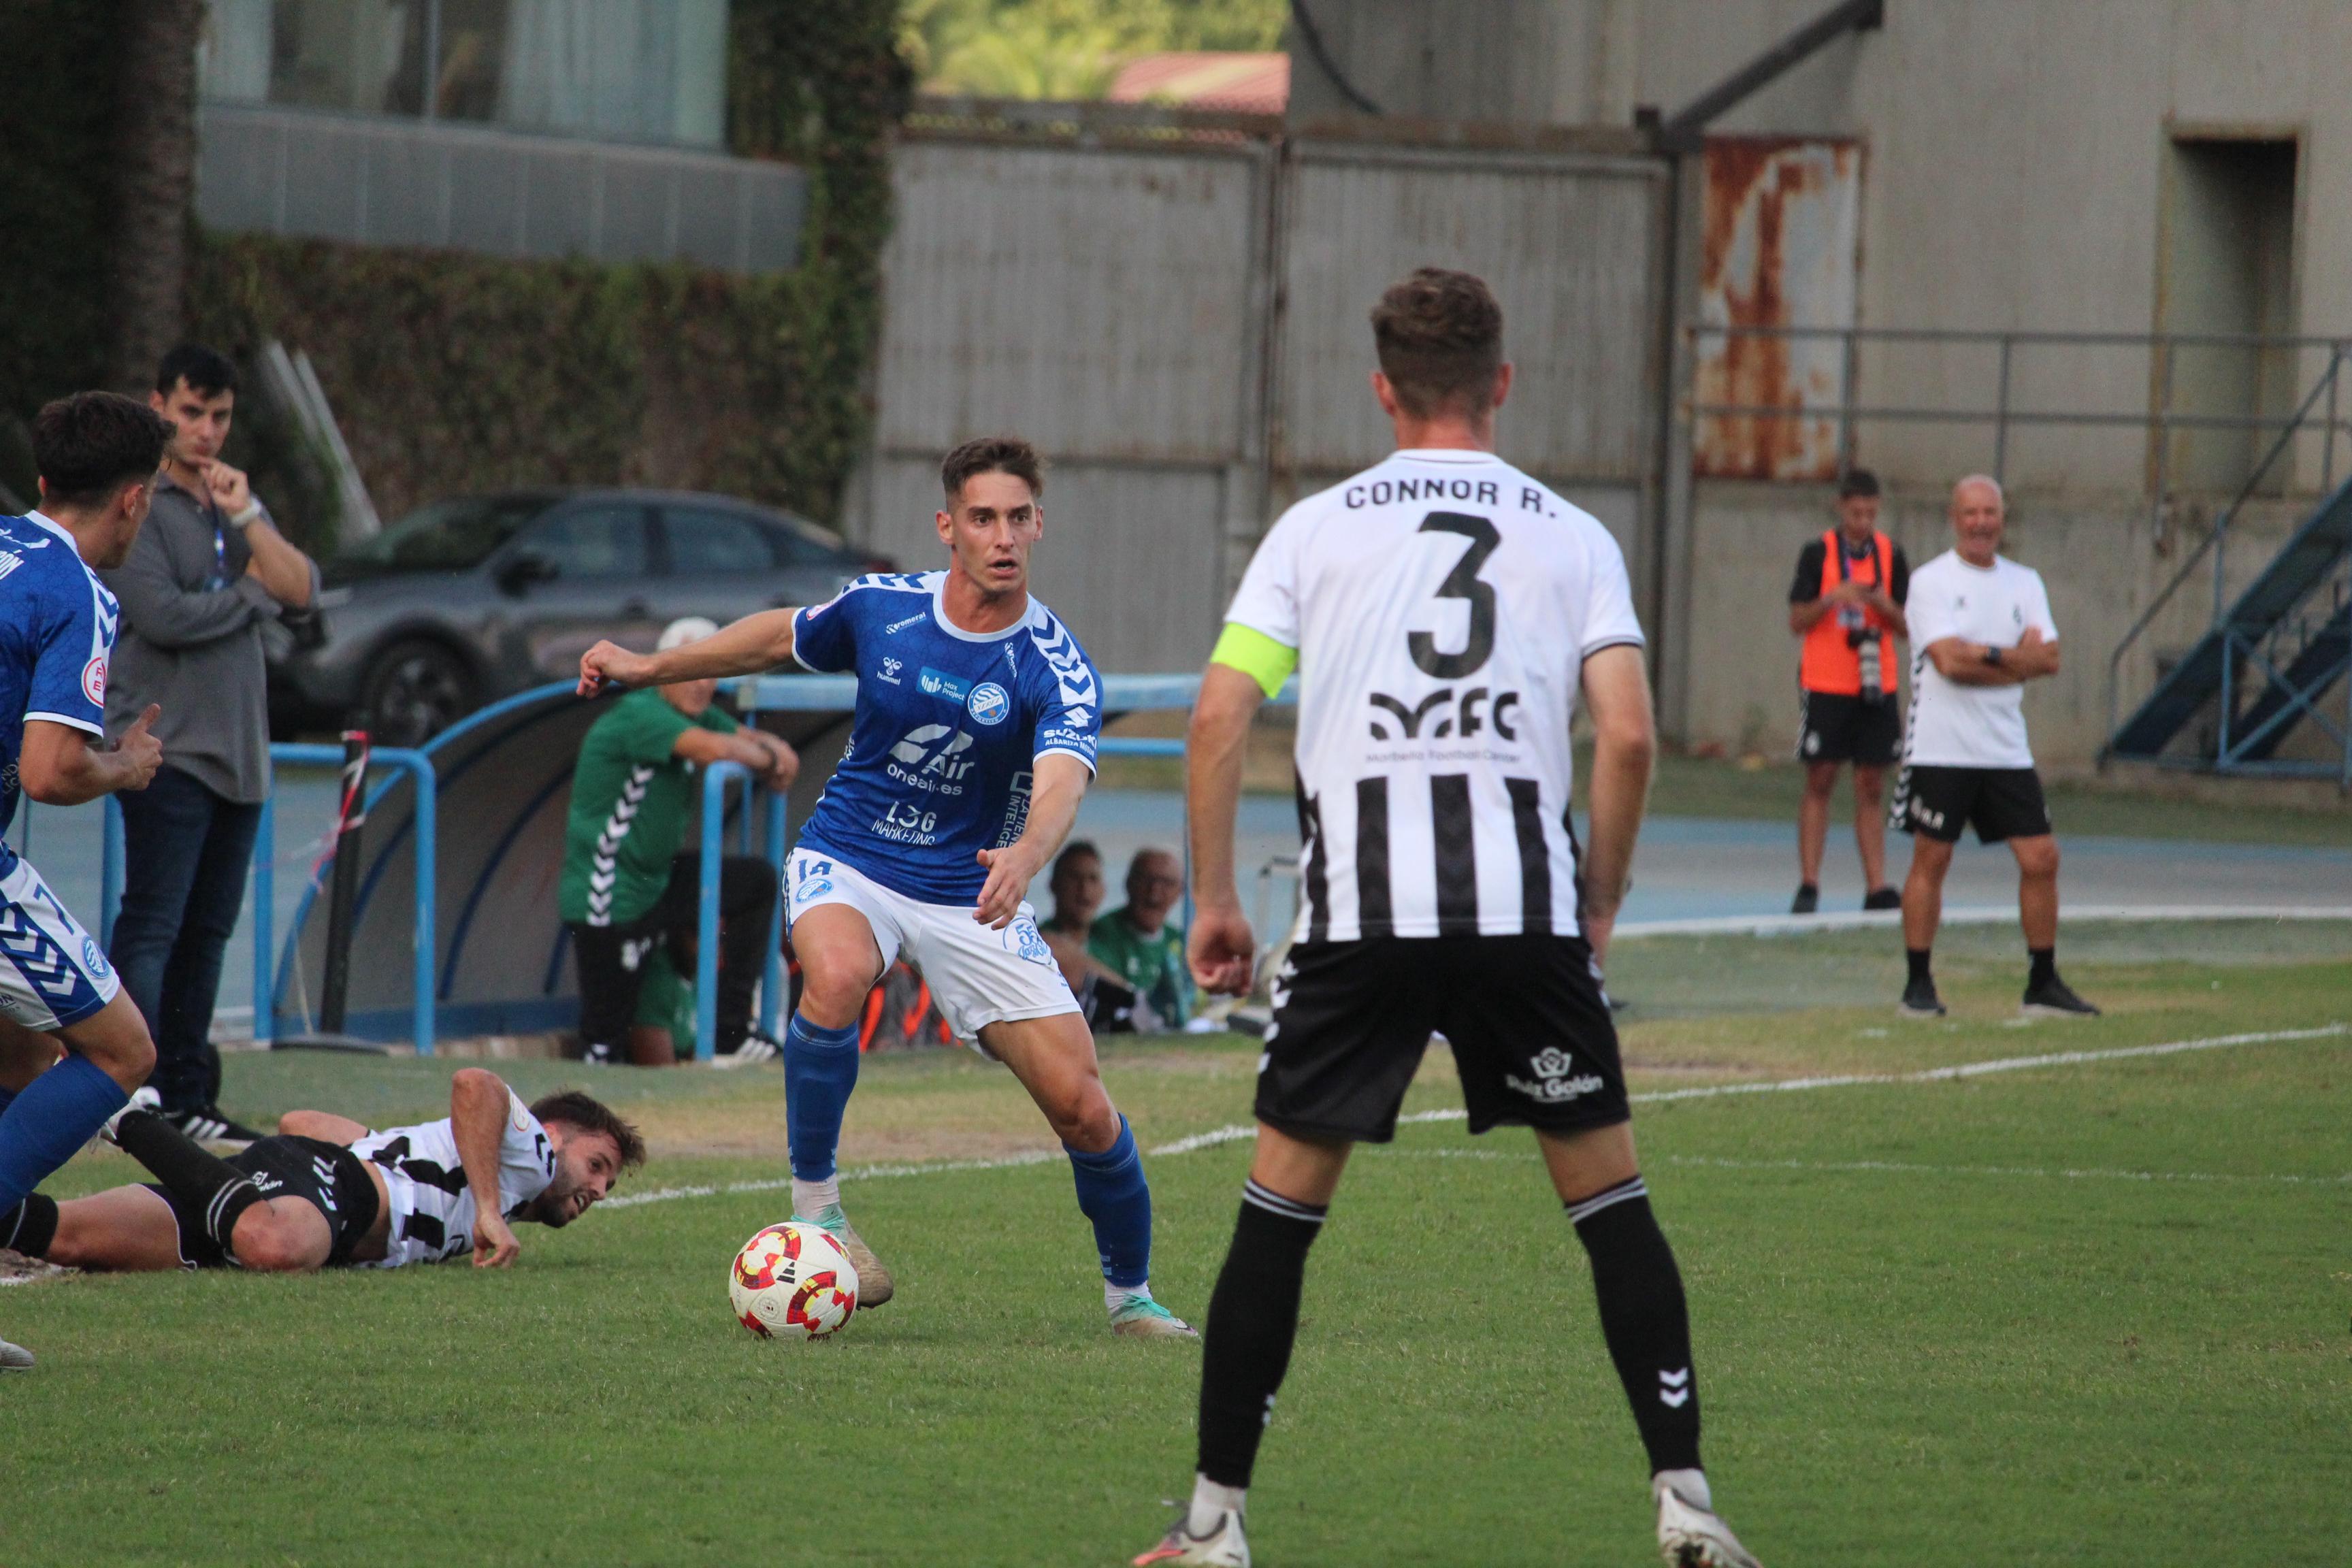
{"points": [[1142, 947], [1107, 1001], [626, 888]]}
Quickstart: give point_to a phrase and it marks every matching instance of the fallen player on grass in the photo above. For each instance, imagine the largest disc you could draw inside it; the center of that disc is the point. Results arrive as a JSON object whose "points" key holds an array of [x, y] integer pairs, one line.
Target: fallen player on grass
{"points": [[328, 1191]]}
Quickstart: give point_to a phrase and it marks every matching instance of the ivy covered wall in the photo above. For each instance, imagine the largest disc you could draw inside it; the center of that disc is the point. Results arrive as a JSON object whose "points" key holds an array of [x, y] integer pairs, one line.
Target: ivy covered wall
{"points": [[451, 373]]}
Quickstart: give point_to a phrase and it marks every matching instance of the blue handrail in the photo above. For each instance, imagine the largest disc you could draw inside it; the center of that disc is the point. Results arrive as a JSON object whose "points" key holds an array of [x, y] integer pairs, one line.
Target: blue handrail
{"points": [[268, 978], [716, 777]]}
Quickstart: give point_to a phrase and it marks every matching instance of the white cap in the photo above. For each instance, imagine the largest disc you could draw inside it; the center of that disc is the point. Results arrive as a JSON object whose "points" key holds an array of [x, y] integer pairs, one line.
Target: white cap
{"points": [[684, 630]]}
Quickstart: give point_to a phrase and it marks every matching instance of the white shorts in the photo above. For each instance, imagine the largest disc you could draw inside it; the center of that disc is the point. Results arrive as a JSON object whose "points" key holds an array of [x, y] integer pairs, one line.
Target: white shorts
{"points": [[51, 974], [978, 976]]}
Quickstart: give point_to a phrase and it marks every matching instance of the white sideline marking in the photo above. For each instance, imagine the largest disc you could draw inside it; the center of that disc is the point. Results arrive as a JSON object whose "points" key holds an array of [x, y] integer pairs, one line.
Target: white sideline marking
{"points": [[1901, 1167], [1235, 1133], [1860, 919]]}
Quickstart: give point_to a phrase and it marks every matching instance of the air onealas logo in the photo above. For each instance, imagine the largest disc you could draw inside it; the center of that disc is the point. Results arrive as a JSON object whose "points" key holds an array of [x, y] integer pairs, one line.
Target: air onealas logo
{"points": [[1475, 710], [914, 761], [1557, 1079]]}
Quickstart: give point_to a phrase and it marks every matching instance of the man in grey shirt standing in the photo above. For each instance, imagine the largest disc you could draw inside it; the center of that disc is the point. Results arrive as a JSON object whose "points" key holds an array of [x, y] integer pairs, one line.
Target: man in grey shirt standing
{"points": [[207, 573]]}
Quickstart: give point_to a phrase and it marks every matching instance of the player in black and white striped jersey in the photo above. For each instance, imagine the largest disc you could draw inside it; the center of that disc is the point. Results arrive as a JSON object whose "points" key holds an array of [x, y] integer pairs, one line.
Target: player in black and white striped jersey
{"points": [[1445, 612]]}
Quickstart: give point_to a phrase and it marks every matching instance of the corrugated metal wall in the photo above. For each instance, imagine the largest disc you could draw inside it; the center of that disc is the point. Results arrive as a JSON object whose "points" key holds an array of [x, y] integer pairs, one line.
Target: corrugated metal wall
{"points": [[1180, 326]]}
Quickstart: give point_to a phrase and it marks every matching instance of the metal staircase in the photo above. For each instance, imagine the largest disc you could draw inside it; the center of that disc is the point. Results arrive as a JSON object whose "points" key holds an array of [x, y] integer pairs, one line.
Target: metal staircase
{"points": [[2286, 642]]}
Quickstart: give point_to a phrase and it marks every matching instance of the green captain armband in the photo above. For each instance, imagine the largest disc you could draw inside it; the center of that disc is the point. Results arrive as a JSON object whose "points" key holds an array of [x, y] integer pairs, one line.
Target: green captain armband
{"points": [[1256, 654]]}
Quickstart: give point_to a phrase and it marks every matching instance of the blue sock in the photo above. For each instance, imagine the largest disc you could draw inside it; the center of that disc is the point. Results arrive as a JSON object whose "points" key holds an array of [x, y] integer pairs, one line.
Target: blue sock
{"points": [[51, 1118], [819, 1070], [1113, 1193]]}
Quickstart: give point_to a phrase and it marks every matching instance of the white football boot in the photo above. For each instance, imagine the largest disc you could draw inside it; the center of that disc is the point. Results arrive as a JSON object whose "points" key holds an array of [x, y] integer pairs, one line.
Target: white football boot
{"points": [[1225, 1546], [144, 1098], [1691, 1536], [14, 1357]]}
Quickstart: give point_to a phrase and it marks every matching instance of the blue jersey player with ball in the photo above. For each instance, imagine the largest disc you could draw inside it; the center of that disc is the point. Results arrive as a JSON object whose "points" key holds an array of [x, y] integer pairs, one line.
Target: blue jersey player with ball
{"points": [[973, 743]]}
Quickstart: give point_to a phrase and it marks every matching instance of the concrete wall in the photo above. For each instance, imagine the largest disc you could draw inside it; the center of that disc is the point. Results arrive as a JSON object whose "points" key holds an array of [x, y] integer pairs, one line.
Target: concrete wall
{"points": [[2103, 564]]}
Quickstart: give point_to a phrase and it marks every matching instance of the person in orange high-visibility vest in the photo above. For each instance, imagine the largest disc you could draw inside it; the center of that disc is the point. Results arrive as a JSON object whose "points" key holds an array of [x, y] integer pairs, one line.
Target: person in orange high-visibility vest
{"points": [[1847, 604]]}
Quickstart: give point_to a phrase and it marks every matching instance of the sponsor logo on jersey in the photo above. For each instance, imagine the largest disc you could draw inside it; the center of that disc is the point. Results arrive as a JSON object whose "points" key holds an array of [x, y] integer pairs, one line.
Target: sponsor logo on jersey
{"points": [[889, 670], [93, 680], [938, 683], [894, 628], [1475, 710], [989, 703], [913, 761], [1557, 1079]]}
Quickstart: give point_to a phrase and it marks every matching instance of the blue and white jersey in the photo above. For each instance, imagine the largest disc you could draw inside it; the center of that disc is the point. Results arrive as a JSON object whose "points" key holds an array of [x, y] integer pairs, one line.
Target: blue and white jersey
{"points": [[57, 636], [949, 724]]}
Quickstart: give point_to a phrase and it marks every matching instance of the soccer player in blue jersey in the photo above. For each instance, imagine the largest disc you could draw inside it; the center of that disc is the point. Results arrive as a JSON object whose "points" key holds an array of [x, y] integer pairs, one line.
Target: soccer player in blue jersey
{"points": [[973, 743], [72, 1047]]}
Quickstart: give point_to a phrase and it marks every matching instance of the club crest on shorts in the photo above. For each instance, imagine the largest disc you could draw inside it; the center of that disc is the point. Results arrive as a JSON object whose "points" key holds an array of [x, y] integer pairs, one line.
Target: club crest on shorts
{"points": [[990, 703], [1025, 939], [92, 960]]}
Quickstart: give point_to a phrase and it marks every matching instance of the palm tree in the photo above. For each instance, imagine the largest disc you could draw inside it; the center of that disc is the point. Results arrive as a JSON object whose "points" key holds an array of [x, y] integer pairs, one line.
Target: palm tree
{"points": [[155, 170]]}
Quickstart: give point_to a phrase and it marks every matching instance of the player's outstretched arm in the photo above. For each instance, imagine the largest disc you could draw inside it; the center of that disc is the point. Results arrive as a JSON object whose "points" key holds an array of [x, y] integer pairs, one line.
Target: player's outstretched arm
{"points": [[1221, 948], [477, 1119], [324, 1125], [1060, 784], [61, 766], [756, 643], [1624, 746]]}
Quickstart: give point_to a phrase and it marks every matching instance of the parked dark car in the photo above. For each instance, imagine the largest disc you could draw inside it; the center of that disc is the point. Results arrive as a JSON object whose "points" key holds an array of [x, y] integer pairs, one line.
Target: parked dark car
{"points": [[478, 597]]}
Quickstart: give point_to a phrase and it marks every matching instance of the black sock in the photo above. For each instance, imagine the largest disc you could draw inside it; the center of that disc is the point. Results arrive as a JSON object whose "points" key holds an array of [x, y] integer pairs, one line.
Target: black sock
{"points": [[210, 1187], [30, 1227], [2045, 965], [1252, 1321], [1918, 961], [1643, 1319]]}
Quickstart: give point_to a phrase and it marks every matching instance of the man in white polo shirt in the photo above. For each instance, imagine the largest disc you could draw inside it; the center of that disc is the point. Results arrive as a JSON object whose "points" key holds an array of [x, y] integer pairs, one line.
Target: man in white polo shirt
{"points": [[1981, 630]]}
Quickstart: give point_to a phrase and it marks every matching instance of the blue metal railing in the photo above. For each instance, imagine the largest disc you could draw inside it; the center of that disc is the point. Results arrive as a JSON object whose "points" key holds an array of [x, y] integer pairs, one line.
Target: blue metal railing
{"points": [[267, 975], [716, 777]]}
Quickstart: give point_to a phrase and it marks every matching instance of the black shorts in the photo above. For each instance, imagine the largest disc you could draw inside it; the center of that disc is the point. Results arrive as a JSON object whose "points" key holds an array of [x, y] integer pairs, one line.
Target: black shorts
{"points": [[1533, 1041], [1833, 729], [325, 1175], [1938, 802]]}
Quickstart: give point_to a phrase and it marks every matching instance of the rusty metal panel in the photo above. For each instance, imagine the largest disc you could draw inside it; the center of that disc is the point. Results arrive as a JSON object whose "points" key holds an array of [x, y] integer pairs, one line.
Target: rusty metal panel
{"points": [[1569, 245], [1102, 301], [1780, 249]]}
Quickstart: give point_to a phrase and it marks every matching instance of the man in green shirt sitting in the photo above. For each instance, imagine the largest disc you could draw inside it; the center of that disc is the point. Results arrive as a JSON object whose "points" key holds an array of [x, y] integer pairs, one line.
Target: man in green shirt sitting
{"points": [[1140, 942], [625, 886]]}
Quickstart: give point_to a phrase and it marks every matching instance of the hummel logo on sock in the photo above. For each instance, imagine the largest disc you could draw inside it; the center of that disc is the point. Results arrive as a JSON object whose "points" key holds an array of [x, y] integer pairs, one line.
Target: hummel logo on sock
{"points": [[1674, 1388]]}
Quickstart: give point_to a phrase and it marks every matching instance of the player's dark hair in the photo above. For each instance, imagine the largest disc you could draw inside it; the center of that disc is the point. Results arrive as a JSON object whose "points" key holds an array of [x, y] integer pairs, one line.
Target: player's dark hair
{"points": [[1440, 337], [1857, 482], [207, 372], [992, 455], [574, 1109], [88, 445], [1072, 850]]}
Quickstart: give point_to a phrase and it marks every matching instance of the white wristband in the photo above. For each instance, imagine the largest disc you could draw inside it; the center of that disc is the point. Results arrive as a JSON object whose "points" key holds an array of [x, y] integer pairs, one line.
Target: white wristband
{"points": [[246, 518]]}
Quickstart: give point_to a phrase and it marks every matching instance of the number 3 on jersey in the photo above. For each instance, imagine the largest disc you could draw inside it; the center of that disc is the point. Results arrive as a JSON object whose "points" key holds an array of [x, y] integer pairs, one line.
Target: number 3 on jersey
{"points": [[1461, 582]]}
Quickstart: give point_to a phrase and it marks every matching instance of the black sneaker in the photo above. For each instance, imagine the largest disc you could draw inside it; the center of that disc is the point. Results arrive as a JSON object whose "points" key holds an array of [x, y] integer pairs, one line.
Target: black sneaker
{"points": [[2054, 998], [599, 1053], [210, 1124], [1883, 899], [1808, 900], [1920, 1001]]}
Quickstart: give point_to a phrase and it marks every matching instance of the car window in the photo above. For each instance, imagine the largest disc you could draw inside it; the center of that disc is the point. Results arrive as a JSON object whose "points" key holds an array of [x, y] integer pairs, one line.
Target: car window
{"points": [[707, 540], [796, 548], [593, 541], [447, 536]]}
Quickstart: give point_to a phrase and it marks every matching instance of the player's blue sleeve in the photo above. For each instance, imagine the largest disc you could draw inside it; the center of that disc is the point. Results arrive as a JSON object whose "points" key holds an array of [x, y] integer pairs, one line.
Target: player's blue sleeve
{"points": [[824, 636], [1065, 694], [72, 649]]}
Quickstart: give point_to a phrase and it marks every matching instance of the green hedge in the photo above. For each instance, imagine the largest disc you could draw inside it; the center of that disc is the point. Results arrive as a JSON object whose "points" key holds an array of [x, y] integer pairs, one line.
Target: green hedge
{"points": [[450, 372]]}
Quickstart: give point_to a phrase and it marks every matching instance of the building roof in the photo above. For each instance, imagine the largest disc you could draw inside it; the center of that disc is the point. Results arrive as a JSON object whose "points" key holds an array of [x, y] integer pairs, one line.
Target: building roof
{"points": [[1238, 83]]}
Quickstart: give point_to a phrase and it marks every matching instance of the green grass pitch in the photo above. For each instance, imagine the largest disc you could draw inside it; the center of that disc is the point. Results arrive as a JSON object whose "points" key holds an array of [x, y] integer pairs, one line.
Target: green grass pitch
{"points": [[2084, 1314]]}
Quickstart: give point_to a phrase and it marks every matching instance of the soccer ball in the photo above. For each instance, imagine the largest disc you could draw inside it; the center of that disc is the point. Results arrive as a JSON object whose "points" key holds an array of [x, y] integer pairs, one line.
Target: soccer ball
{"points": [[792, 1281]]}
